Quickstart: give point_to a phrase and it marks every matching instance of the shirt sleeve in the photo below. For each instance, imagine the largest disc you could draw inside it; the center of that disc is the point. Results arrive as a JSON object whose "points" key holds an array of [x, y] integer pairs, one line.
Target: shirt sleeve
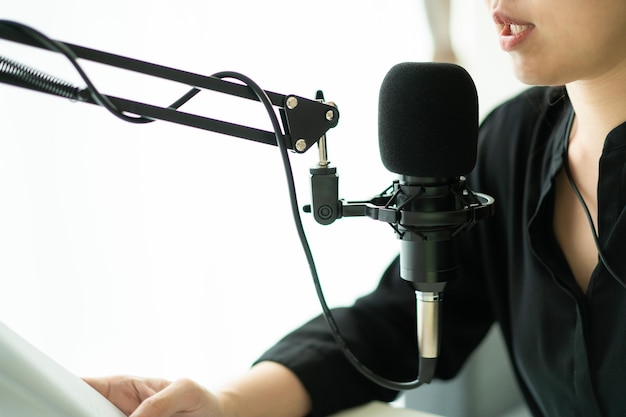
{"points": [[380, 329]]}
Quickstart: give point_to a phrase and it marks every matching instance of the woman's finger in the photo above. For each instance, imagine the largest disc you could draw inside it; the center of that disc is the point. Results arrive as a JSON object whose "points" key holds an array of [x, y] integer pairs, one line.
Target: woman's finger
{"points": [[180, 398]]}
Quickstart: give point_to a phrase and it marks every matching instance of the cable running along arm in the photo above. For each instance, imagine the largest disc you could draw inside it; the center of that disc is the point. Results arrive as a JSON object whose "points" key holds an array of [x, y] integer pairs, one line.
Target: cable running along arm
{"points": [[304, 123]]}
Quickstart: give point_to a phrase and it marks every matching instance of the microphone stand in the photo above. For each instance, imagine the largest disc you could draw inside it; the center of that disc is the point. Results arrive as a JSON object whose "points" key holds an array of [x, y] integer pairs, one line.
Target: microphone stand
{"points": [[304, 121]]}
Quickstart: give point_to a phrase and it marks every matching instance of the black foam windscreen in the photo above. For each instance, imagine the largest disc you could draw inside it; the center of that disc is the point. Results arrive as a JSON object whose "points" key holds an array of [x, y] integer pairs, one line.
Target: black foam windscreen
{"points": [[428, 120]]}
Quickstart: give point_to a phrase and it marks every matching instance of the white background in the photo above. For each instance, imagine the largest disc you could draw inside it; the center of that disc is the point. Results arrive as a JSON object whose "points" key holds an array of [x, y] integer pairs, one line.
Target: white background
{"points": [[168, 251]]}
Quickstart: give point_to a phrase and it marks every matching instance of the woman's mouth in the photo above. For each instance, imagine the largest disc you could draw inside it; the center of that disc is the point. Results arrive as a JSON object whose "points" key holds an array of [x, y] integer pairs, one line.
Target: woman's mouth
{"points": [[512, 33]]}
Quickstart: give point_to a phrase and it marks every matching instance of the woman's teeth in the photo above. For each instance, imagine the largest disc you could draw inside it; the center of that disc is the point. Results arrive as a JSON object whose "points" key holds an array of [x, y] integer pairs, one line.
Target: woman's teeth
{"points": [[515, 29]]}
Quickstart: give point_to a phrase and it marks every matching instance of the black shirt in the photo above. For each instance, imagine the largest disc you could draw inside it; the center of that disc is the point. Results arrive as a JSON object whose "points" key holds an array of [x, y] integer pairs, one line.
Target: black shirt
{"points": [[568, 348]]}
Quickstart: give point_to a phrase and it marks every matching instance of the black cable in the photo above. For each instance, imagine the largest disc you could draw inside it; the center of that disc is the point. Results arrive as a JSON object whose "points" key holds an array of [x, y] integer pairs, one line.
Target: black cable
{"points": [[426, 365], [596, 239], [99, 98]]}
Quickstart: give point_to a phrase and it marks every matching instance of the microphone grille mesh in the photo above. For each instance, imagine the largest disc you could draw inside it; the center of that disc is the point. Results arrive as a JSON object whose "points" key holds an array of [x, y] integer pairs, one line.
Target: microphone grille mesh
{"points": [[428, 120]]}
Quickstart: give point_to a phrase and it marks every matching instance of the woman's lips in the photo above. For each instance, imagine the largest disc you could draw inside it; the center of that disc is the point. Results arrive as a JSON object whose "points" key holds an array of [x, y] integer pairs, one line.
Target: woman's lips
{"points": [[512, 32]]}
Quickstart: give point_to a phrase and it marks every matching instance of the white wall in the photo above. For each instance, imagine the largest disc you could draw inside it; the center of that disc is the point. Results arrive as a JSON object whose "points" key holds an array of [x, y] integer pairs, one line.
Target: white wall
{"points": [[169, 251]]}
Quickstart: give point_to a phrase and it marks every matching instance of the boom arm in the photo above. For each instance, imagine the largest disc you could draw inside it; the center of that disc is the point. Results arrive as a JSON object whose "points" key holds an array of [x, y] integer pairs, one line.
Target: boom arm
{"points": [[304, 121]]}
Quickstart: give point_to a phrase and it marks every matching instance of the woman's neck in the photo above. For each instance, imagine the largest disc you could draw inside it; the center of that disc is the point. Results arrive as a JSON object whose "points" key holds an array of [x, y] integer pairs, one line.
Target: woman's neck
{"points": [[600, 106]]}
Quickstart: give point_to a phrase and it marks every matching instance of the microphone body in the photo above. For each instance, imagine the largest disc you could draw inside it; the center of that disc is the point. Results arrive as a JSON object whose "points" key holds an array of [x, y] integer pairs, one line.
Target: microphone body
{"points": [[428, 131], [427, 253]]}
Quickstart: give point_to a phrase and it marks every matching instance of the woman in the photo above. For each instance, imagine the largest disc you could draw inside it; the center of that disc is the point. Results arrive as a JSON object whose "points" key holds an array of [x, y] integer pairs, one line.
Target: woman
{"points": [[533, 268]]}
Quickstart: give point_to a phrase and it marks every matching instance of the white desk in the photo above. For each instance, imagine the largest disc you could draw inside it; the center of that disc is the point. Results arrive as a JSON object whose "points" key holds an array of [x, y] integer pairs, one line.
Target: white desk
{"points": [[378, 409]]}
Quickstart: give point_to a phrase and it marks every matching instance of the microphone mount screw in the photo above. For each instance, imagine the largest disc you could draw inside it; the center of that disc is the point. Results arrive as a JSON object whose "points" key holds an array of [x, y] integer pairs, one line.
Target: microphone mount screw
{"points": [[292, 102], [301, 145]]}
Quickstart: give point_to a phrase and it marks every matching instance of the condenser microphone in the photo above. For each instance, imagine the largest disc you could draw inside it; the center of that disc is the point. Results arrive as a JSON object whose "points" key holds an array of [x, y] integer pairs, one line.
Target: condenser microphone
{"points": [[428, 130], [428, 133]]}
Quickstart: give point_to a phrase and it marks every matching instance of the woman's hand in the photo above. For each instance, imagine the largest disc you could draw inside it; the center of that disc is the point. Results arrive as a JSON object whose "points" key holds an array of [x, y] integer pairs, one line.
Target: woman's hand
{"points": [[267, 390], [151, 397]]}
